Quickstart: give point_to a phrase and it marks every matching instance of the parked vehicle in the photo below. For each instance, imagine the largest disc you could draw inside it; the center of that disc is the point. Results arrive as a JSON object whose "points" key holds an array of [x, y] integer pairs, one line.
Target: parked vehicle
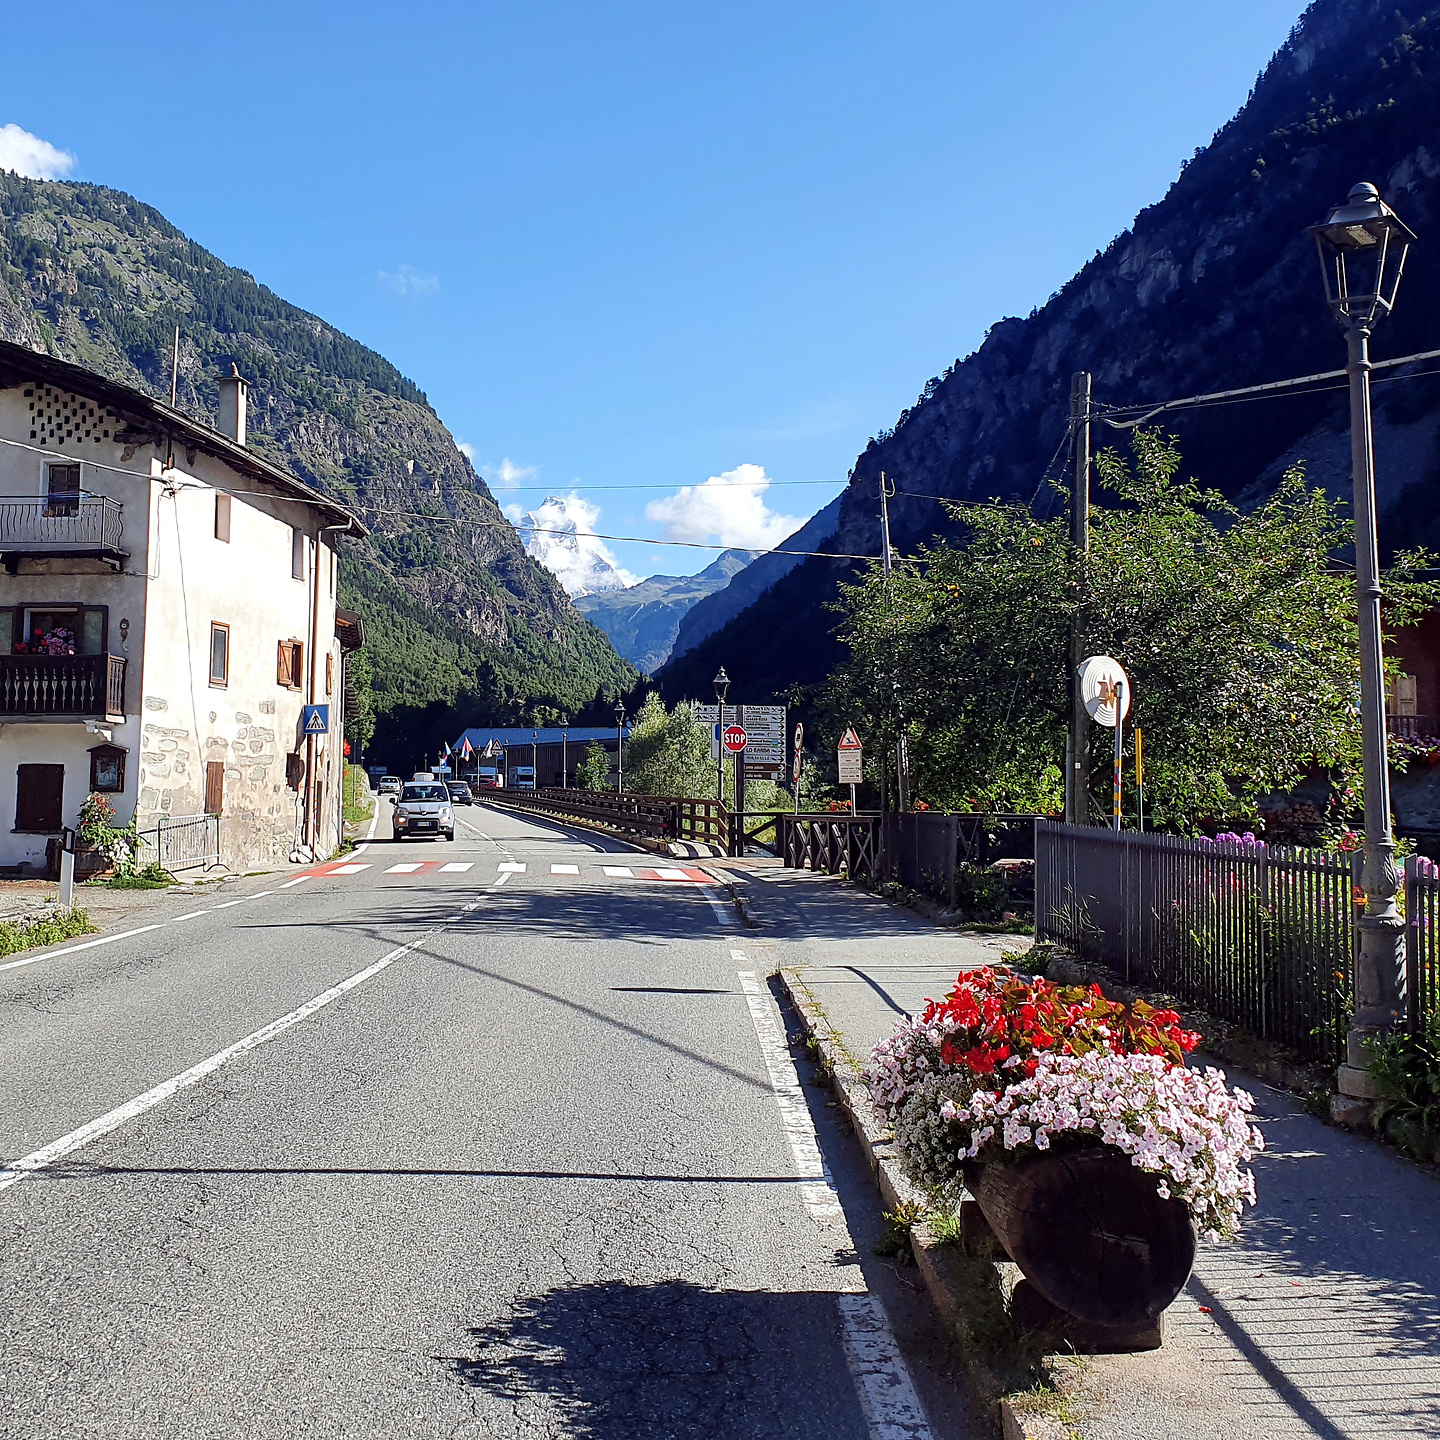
{"points": [[521, 777], [389, 785], [459, 792], [424, 809], [423, 775], [487, 778]]}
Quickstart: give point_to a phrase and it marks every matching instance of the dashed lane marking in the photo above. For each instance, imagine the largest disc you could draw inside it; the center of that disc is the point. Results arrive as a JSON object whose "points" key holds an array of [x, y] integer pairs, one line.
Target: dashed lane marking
{"points": [[405, 869], [564, 869], [457, 867], [298, 880], [619, 871], [512, 867], [348, 869]]}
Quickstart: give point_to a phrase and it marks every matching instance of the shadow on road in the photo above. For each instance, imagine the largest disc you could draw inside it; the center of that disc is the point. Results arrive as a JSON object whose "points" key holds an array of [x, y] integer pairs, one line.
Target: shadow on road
{"points": [[618, 1361]]}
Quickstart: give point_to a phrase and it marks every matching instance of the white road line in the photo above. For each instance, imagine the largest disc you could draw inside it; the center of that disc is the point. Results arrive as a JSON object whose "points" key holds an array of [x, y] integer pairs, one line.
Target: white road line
{"points": [[348, 869], [407, 869], [260, 894], [817, 1187], [882, 1379], [564, 869], [370, 833], [76, 1139], [512, 867], [298, 880], [502, 877], [670, 873], [88, 945], [226, 904], [721, 913], [622, 871], [176, 919], [457, 867]]}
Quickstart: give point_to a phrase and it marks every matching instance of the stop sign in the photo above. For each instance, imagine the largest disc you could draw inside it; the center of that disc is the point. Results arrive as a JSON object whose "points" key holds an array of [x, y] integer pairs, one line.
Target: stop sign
{"points": [[734, 738]]}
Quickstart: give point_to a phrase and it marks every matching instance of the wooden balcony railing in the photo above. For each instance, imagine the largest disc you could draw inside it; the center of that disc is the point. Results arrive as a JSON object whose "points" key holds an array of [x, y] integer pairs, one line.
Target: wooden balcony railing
{"points": [[89, 687]]}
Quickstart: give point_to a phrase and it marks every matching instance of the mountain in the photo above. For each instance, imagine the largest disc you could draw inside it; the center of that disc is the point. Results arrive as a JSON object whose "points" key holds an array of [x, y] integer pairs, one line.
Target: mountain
{"points": [[1214, 287], [557, 534], [456, 613], [642, 620]]}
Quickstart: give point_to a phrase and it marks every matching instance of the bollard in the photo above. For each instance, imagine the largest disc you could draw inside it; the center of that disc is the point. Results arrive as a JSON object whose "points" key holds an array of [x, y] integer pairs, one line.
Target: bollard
{"points": [[67, 879]]}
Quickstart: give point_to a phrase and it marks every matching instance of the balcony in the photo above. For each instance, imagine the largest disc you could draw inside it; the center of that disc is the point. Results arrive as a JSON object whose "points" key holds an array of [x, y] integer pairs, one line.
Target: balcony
{"points": [[62, 527], [62, 687]]}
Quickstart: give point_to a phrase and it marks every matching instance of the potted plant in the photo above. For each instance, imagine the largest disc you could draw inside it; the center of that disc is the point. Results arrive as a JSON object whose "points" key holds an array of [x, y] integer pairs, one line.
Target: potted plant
{"points": [[1093, 1151], [103, 845]]}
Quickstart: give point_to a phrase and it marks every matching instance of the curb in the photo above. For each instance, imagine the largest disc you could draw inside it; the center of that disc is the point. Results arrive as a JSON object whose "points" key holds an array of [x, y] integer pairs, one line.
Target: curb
{"points": [[934, 1261]]}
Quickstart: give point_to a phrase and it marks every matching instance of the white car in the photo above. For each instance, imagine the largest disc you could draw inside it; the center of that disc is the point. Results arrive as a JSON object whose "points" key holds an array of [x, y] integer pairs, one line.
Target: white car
{"points": [[389, 785], [424, 809]]}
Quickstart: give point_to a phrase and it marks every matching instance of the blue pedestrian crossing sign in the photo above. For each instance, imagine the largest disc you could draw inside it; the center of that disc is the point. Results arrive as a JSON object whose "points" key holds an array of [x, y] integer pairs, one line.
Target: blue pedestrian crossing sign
{"points": [[315, 720]]}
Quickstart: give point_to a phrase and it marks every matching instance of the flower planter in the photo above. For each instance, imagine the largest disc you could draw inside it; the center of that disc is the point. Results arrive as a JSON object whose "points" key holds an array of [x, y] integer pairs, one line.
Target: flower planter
{"points": [[89, 861], [1090, 1233]]}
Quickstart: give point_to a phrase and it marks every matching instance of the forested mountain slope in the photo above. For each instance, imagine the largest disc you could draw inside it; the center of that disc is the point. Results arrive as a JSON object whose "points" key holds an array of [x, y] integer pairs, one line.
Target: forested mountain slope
{"points": [[1216, 286], [455, 611]]}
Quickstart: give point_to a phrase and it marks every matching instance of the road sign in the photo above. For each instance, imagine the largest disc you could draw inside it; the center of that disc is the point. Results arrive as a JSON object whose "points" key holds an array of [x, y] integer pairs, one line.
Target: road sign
{"points": [[1101, 680], [734, 739], [850, 758], [315, 720], [799, 753], [764, 731]]}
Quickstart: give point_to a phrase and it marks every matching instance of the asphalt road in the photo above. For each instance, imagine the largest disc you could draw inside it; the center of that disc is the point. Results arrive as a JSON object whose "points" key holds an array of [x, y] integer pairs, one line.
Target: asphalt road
{"points": [[487, 1151]]}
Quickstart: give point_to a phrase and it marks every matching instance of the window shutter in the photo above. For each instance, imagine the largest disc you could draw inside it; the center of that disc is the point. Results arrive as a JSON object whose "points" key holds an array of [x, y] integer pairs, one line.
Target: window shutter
{"points": [[39, 797], [282, 663], [330, 674]]}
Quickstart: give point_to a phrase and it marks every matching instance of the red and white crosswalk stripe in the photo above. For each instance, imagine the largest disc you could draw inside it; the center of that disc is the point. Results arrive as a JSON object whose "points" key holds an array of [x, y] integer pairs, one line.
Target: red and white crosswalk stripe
{"points": [[409, 869]]}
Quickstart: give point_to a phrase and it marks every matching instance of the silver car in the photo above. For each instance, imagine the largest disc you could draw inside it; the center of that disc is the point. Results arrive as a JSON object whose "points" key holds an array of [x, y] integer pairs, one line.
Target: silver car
{"points": [[424, 809]]}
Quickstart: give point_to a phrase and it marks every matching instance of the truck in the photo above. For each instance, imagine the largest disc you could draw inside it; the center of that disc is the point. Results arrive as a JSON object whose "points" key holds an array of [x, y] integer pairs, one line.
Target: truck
{"points": [[521, 777]]}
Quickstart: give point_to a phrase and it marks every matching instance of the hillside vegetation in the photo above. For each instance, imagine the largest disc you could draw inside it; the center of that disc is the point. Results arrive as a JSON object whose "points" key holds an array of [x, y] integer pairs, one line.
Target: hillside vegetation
{"points": [[456, 614]]}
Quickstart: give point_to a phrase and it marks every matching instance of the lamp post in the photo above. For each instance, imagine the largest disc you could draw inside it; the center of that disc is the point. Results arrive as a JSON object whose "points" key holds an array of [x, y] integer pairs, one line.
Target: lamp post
{"points": [[1362, 246], [534, 760], [722, 688], [619, 747], [564, 765]]}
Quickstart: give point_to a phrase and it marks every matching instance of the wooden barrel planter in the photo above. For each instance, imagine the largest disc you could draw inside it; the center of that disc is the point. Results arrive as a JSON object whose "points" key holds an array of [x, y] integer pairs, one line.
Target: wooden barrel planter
{"points": [[1090, 1233]]}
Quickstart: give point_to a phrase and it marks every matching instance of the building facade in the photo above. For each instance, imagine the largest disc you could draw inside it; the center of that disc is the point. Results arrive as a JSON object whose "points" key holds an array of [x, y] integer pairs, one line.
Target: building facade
{"points": [[167, 612]]}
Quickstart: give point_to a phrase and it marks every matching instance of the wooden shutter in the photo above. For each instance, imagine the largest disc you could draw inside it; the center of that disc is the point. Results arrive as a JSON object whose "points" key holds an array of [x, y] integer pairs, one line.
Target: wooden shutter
{"points": [[330, 674], [222, 517], [39, 797], [215, 787], [287, 664]]}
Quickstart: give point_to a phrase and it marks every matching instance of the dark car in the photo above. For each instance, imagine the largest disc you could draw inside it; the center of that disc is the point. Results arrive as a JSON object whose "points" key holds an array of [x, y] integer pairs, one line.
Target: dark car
{"points": [[459, 792]]}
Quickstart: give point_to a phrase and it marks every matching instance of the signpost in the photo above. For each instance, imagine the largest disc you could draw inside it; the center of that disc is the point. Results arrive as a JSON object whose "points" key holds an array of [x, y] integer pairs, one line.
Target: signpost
{"points": [[850, 762], [765, 729], [315, 720], [1105, 689]]}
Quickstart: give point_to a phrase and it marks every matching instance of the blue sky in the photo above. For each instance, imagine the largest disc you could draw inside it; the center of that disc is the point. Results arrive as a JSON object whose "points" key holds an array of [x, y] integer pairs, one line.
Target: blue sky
{"points": [[628, 247]]}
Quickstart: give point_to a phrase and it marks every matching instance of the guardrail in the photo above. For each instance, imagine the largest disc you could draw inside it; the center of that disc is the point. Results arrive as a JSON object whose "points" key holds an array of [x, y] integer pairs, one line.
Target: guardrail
{"points": [[659, 817], [92, 686], [180, 843]]}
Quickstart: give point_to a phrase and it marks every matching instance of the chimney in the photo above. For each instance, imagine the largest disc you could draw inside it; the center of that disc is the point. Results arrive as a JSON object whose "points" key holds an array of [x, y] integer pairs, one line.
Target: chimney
{"points": [[232, 406]]}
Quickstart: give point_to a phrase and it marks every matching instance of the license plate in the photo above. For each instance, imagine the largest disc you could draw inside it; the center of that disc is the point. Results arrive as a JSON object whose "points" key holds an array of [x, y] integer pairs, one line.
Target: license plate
{"points": [[424, 824]]}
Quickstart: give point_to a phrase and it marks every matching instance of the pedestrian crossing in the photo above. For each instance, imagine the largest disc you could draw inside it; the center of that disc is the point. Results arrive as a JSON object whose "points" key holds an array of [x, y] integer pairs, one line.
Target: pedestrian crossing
{"points": [[420, 869]]}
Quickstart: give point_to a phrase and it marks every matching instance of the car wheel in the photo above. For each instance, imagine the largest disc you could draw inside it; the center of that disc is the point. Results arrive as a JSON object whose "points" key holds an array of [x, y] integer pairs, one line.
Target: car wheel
{"points": [[396, 836], [449, 834]]}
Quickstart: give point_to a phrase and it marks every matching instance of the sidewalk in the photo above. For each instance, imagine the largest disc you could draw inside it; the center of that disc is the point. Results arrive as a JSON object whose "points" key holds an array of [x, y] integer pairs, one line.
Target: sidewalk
{"points": [[1323, 1320]]}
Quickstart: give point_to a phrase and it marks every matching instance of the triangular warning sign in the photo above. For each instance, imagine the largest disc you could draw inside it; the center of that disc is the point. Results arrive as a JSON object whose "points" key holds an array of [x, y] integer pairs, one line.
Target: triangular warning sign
{"points": [[849, 740]]}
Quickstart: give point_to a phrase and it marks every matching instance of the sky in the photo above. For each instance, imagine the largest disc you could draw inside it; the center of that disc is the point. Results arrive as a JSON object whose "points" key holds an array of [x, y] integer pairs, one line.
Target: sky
{"points": [[671, 264]]}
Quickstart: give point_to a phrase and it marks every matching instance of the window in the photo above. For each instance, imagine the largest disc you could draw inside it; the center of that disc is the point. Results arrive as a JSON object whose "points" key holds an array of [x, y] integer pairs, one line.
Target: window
{"points": [[107, 768], [222, 517], [57, 630], [215, 787], [330, 674], [62, 491], [297, 555], [219, 653], [290, 664], [39, 797]]}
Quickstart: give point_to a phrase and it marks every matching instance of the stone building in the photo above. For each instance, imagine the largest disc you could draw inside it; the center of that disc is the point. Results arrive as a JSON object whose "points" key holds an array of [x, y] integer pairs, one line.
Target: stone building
{"points": [[167, 611]]}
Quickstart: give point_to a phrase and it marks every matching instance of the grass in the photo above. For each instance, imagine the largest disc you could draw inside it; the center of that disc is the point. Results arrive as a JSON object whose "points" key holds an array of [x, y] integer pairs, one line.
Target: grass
{"points": [[152, 877], [59, 926], [358, 784]]}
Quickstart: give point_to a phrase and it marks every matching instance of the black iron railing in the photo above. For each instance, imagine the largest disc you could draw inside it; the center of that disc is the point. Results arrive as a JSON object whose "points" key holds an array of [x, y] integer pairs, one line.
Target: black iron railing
{"points": [[88, 686]]}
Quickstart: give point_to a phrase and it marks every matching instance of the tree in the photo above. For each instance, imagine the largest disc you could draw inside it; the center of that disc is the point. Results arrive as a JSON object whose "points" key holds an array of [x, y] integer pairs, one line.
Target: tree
{"points": [[668, 751], [1237, 628], [593, 772]]}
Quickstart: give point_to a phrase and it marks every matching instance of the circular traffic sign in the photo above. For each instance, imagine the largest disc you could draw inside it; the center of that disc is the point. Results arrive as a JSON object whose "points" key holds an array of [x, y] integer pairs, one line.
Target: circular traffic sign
{"points": [[1102, 681], [734, 738]]}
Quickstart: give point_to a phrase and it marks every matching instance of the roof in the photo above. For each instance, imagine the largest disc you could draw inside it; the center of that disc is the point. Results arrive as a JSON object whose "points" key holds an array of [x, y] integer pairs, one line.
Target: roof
{"points": [[19, 365], [349, 628], [480, 736]]}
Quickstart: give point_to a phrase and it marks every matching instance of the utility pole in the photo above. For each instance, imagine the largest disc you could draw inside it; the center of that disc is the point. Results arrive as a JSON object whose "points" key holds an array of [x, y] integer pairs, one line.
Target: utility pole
{"points": [[1077, 751], [902, 768]]}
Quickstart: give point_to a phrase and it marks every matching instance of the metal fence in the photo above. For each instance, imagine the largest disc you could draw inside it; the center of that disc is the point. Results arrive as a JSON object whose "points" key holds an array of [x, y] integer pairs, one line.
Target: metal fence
{"points": [[1422, 942], [925, 849], [63, 522], [1260, 936], [180, 843]]}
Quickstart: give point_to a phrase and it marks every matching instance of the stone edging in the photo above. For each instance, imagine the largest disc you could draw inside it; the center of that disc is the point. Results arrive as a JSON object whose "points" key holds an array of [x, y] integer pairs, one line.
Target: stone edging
{"points": [[931, 1258]]}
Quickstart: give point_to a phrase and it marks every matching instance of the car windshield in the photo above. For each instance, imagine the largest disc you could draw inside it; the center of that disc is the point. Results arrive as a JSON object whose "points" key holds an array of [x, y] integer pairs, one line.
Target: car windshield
{"points": [[457, 789], [424, 792]]}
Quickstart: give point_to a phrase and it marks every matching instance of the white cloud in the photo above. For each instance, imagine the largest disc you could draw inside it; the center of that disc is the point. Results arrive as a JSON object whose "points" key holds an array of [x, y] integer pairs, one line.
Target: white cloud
{"points": [[508, 474], [407, 280], [728, 509], [466, 449], [560, 534], [29, 155]]}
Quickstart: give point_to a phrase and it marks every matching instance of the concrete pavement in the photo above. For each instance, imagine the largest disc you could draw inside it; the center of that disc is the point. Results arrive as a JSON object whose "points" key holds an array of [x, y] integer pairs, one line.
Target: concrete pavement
{"points": [[470, 1152]]}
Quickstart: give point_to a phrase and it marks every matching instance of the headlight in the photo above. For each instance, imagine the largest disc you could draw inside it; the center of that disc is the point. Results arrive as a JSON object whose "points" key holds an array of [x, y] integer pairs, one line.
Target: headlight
{"points": [[401, 816], [447, 813]]}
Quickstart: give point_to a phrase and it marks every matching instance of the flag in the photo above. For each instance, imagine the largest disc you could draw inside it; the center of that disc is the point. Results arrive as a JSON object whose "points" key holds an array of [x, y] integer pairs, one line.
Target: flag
{"points": [[466, 748], [445, 749]]}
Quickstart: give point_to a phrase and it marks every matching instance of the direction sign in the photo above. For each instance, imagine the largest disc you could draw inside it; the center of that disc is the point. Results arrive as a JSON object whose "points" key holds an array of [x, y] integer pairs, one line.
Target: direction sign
{"points": [[315, 720], [850, 758], [1101, 681], [764, 727], [734, 739]]}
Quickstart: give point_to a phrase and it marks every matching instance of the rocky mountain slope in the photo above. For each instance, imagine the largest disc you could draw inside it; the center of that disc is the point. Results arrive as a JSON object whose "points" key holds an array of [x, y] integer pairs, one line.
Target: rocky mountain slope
{"points": [[643, 620], [455, 611], [1216, 286]]}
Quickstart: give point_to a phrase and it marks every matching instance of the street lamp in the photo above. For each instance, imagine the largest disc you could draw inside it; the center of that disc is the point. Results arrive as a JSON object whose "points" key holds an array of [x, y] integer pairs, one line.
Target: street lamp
{"points": [[564, 766], [1362, 246], [619, 747], [722, 688], [534, 761]]}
